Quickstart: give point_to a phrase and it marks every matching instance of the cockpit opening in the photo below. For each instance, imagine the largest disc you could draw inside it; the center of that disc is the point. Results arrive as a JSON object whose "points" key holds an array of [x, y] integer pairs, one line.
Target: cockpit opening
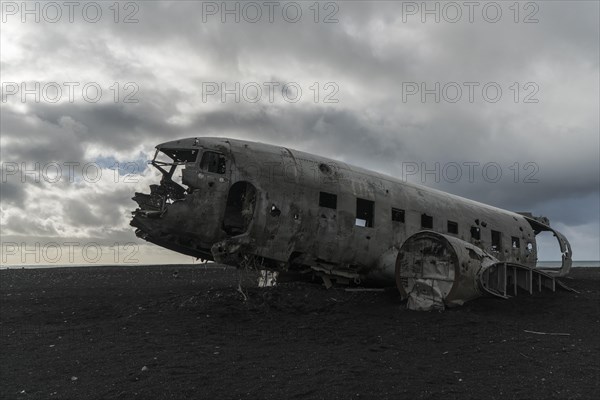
{"points": [[213, 162], [170, 162]]}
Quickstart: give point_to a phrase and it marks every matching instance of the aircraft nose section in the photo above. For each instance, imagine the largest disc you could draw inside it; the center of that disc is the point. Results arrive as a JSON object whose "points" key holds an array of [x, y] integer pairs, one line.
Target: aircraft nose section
{"points": [[165, 222]]}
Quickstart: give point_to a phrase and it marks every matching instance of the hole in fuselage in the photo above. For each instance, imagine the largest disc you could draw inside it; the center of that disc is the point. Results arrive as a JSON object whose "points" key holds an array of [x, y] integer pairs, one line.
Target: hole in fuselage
{"points": [[275, 212]]}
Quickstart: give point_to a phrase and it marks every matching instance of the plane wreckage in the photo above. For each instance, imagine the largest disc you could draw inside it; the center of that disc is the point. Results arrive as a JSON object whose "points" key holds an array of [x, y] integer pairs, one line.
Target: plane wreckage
{"points": [[232, 201]]}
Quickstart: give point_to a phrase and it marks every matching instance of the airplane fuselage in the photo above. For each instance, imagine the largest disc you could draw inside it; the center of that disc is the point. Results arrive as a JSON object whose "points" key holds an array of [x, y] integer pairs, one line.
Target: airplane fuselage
{"points": [[294, 210]]}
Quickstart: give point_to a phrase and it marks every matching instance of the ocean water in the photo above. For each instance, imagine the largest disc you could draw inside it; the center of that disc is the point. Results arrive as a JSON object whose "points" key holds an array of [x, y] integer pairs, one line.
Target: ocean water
{"points": [[576, 264]]}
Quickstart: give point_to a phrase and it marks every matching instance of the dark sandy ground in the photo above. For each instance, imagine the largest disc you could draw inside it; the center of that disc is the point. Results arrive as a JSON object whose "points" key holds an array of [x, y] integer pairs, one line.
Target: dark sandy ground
{"points": [[140, 332]]}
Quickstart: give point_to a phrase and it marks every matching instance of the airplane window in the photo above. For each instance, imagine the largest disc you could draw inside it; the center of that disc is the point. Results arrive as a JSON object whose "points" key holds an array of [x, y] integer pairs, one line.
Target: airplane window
{"points": [[515, 242], [397, 215], [327, 200], [452, 227], [426, 221], [213, 162], [496, 241], [475, 233], [364, 213]]}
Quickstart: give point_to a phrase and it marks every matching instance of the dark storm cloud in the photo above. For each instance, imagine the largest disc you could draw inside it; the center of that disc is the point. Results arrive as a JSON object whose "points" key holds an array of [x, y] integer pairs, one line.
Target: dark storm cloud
{"points": [[577, 210], [350, 46], [113, 125]]}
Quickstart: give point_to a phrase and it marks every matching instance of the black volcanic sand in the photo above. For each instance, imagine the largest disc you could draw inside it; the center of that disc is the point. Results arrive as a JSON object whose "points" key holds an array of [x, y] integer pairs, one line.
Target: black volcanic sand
{"points": [[141, 332]]}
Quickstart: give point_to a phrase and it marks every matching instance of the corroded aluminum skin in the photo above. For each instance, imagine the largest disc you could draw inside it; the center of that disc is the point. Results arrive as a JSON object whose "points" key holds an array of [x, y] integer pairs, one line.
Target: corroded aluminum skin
{"points": [[290, 231]]}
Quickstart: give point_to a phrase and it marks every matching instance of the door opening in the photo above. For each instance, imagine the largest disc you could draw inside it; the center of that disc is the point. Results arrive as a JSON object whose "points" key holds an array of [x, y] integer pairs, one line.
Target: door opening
{"points": [[239, 211]]}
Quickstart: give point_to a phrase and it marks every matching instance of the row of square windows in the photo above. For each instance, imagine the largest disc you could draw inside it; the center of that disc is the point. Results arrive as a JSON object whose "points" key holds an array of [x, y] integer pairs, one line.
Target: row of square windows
{"points": [[365, 216]]}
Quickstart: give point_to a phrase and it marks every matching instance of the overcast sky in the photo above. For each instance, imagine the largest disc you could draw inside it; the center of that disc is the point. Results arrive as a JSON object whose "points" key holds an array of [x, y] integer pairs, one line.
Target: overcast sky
{"points": [[507, 93]]}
